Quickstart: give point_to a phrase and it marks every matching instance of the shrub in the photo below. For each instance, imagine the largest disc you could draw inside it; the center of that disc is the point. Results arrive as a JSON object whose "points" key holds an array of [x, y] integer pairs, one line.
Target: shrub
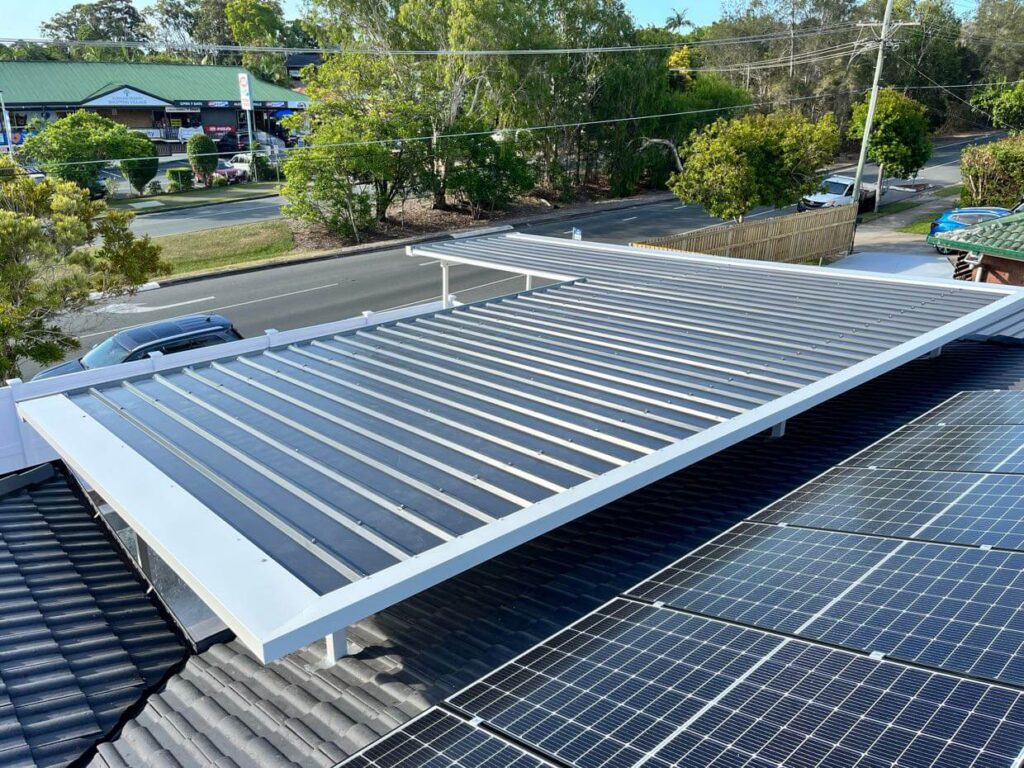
{"points": [[993, 174], [142, 165], [202, 154], [154, 188], [180, 179], [217, 181], [320, 190], [491, 176]]}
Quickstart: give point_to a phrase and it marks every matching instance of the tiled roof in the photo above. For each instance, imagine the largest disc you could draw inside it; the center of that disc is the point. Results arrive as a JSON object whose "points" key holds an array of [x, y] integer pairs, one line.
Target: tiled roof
{"points": [[226, 707], [80, 642], [999, 237], [76, 82]]}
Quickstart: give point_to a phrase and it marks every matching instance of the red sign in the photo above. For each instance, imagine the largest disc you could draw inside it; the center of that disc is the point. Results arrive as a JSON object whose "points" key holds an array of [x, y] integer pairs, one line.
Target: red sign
{"points": [[219, 128]]}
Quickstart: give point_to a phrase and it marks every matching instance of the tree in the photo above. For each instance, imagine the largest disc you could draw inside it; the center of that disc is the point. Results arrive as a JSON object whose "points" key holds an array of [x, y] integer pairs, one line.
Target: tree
{"points": [[900, 139], [1008, 109], [491, 175], [202, 156], [172, 22], [361, 109], [76, 147], [47, 268], [211, 23], [318, 189], [258, 23], [141, 163], [115, 20], [733, 166], [993, 173], [678, 20]]}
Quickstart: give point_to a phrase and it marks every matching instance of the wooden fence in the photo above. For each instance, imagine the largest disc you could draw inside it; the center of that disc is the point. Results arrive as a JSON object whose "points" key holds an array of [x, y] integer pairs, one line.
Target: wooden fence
{"points": [[812, 236]]}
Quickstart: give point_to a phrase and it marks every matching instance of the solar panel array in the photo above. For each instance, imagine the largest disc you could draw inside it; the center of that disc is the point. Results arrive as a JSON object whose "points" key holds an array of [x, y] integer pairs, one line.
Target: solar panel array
{"points": [[873, 617]]}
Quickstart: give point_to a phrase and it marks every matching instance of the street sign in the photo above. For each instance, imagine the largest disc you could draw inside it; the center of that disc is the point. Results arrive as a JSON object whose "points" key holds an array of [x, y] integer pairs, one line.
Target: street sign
{"points": [[244, 91]]}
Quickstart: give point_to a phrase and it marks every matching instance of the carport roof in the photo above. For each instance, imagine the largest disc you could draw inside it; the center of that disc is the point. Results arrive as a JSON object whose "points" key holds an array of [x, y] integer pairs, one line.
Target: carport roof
{"points": [[306, 484]]}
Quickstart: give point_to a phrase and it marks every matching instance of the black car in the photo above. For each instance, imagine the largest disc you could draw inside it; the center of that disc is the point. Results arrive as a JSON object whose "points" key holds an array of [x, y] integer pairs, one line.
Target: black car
{"points": [[166, 336]]}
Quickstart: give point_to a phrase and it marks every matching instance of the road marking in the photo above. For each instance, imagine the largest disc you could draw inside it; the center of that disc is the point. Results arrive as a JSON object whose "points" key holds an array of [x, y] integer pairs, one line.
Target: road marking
{"points": [[129, 309], [225, 306], [679, 208], [428, 263], [630, 218]]}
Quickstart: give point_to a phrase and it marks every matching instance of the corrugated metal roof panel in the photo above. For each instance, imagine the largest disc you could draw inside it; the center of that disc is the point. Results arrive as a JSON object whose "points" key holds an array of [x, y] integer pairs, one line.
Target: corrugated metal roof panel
{"points": [[75, 82], [336, 475]]}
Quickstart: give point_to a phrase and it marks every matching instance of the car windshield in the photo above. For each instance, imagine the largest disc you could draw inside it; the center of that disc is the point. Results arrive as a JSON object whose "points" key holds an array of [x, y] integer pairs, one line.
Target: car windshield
{"points": [[834, 187], [105, 353], [223, 164]]}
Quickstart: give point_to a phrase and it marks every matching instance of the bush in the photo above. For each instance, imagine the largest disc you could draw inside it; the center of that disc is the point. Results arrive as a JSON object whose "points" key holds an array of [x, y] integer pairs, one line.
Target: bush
{"points": [[143, 165], [154, 188], [320, 190], [202, 154], [217, 181], [993, 174], [491, 176], [180, 179]]}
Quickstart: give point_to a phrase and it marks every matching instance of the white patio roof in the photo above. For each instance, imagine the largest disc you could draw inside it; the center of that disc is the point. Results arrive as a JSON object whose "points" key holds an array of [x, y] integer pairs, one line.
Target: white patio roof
{"points": [[302, 485]]}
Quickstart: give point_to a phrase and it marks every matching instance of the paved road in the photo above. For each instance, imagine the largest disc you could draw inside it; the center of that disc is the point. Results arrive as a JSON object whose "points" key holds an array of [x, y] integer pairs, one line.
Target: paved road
{"points": [[305, 294], [208, 217]]}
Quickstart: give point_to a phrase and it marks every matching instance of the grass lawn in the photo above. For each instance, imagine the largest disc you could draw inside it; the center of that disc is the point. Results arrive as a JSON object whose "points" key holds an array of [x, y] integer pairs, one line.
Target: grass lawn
{"points": [[952, 191], [194, 197], [226, 246], [888, 208], [919, 227]]}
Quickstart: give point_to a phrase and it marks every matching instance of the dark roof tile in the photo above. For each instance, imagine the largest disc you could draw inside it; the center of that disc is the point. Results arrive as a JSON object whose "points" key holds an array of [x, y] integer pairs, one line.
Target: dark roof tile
{"points": [[80, 642]]}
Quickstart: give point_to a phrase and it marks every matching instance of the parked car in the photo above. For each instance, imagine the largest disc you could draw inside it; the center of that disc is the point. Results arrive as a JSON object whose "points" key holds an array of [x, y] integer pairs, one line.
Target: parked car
{"points": [[230, 173], [835, 191], [97, 189], [958, 218], [177, 334]]}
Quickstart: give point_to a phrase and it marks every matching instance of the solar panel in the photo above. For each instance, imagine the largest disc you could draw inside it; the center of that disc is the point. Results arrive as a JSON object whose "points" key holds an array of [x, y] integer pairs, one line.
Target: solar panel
{"points": [[640, 685], [982, 407], [952, 608], [955, 507], [955, 447], [438, 739]]}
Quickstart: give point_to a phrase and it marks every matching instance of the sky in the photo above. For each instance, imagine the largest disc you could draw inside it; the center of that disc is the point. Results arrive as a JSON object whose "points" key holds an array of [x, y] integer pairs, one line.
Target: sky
{"points": [[26, 17]]}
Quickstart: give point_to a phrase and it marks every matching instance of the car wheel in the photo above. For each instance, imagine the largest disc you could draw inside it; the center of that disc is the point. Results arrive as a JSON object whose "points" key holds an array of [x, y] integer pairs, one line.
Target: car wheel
{"points": [[943, 251]]}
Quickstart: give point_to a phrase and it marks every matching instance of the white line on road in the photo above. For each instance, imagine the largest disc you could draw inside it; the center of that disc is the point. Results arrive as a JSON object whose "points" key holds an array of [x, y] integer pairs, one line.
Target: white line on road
{"points": [[226, 306], [630, 218], [130, 309], [679, 208]]}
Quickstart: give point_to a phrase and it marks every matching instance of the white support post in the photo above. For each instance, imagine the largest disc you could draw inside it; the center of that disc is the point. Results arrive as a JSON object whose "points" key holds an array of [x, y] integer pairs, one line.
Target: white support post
{"points": [[339, 646], [445, 298], [269, 334], [529, 282], [779, 430]]}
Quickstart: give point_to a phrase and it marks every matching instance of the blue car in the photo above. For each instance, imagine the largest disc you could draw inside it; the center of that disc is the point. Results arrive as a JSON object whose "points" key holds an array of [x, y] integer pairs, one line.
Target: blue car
{"points": [[958, 218], [165, 336]]}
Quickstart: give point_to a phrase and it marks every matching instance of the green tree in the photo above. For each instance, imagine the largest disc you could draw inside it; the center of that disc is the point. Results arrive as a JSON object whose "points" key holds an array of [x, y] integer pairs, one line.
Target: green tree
{"points": [[76, 147], [733, 166], [900, 139], [1008, 109], [140, 164], [172, 22], [319, 189], [258, 23], [993, 173], [48, 269], [491, 175], [361, 108], [202, 156], [114, 20]]}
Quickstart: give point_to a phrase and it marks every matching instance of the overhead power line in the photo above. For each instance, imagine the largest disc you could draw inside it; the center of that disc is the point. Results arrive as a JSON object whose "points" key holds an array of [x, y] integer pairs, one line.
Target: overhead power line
{"points": [[211, 48], [490, 132]]}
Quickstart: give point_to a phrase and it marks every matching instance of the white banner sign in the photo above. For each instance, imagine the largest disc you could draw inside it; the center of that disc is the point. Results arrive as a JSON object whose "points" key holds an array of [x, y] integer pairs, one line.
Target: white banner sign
{"points": [[244, 91]]}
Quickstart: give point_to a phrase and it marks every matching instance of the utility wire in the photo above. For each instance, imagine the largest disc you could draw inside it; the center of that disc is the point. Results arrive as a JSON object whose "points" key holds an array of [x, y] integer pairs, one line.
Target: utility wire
{"points": [[211, 48], [490, 132]]}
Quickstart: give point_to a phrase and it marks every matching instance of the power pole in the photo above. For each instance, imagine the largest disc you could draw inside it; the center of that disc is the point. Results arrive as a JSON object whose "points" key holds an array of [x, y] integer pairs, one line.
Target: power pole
{"points": [[6, 126], [792, 39], [884, 38]]}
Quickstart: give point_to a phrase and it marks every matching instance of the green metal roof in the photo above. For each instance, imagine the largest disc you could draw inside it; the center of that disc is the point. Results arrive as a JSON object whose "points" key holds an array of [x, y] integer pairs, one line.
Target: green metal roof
{"points": [[998, 237], [76, 82]]}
